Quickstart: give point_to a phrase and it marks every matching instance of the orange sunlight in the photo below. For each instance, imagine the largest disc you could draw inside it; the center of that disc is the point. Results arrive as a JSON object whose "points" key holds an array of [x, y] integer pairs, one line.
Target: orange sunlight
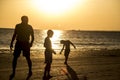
{"points": [[56, 37], [54, 7]]}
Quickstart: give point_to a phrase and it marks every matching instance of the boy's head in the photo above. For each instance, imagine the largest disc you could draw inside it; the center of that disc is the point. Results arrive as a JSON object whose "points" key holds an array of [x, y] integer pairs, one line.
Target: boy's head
{"points": [[50, 33], [62, 41]]}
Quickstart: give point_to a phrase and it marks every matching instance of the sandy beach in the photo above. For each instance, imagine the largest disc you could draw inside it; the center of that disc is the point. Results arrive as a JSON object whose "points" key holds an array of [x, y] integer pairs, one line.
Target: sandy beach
{"points": [[87, 65]]}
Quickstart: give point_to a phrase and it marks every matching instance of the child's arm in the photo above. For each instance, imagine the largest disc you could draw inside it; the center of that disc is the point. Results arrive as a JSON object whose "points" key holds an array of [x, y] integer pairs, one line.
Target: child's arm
{"points": [[72, 44], [53, 51], [62, 49]]}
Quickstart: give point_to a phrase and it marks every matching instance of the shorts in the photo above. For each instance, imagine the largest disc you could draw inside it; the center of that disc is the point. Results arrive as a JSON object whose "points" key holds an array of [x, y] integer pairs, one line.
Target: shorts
{"points": [[48, 56], [22, 46]]}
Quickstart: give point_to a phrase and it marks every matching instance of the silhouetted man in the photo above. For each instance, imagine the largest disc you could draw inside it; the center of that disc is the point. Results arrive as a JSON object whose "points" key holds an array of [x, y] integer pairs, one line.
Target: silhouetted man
{"points": [[22, 34]]}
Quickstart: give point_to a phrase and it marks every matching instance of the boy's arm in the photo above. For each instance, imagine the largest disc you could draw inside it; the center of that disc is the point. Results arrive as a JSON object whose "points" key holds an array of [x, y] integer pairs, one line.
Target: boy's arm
{"points": [[62, 49], [72, 44], [47, 45], [53, 51]]}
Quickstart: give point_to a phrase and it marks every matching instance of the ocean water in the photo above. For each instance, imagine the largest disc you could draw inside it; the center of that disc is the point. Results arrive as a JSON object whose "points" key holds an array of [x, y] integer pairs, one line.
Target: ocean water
{"points": [[83, 40]]}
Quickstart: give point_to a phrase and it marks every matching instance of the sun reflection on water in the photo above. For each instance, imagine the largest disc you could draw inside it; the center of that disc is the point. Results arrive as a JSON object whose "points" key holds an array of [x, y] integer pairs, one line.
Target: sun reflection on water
{"points": [[56, 39]]}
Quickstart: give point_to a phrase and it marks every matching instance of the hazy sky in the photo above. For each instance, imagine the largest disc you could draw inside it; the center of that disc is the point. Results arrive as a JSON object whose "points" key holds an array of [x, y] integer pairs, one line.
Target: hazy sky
{"points": [[62, 14]]}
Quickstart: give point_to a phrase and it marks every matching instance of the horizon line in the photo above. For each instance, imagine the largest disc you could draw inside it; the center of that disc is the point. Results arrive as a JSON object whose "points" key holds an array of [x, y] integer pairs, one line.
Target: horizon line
{"points": [[65, 29]]}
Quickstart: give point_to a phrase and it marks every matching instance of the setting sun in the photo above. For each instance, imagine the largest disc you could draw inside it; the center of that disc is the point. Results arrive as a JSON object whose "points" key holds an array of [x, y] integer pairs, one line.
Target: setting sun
{"points": [[55, 7], [62, 14]]}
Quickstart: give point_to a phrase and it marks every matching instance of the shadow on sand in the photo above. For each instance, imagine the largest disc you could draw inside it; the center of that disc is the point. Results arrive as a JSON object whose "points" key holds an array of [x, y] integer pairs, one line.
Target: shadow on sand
{"points": [[72, 74]]}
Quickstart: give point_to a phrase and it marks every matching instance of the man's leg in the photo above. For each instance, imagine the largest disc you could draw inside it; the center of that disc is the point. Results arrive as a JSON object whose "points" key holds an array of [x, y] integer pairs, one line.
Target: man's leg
{"points": [[30, 67], [29, 64], [14, 63]]}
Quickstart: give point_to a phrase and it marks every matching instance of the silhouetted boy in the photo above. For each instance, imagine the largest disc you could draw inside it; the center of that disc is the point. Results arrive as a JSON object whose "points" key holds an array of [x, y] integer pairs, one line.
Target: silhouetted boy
{"points": [[48, 54], [22, 34], [66, 45]]}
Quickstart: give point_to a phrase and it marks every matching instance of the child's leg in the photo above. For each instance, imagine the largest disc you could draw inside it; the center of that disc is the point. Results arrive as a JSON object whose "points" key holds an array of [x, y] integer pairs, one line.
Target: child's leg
{"points": [[66, 58]]}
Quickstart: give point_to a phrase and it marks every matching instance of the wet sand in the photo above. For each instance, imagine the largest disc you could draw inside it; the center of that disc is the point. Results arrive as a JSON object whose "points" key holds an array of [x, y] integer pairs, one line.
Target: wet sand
{"points": [[86, 65]]}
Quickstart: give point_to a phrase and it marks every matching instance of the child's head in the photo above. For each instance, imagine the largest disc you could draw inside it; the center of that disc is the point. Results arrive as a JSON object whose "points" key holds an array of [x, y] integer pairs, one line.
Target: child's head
{"points": [[62, 41], [50, 33]]}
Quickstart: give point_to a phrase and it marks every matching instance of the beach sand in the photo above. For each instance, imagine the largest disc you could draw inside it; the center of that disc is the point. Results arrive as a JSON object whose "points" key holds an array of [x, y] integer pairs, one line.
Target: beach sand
{"points": [[86, 65]]}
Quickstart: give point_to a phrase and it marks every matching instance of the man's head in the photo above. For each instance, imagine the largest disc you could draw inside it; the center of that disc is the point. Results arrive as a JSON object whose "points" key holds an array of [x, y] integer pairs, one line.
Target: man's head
{"points": [[50, 33], [24, 19]]}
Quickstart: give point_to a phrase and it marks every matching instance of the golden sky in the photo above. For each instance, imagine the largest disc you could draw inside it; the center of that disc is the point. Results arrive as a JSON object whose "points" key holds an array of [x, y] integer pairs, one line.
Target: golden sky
{"points": [[62, 14]]}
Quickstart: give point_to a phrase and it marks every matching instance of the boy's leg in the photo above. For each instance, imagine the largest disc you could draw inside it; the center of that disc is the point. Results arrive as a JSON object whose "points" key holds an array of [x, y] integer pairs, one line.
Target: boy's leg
{"points": [[48, 66], [46, 70], [66, 58]]}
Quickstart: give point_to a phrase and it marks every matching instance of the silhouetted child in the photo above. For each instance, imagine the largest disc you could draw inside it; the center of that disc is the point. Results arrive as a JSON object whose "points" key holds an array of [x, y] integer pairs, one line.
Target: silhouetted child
{"points": [[48, 54], [66, 45]]}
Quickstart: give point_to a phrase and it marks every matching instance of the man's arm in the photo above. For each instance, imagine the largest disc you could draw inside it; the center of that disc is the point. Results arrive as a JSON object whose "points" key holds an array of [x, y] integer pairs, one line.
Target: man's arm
{"points": [[32, 38], [13, 38]]}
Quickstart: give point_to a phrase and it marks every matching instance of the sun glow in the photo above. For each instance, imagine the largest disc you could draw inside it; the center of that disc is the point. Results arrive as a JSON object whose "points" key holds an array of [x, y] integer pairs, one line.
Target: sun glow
{"points": [[56, 38], [55, 6]]}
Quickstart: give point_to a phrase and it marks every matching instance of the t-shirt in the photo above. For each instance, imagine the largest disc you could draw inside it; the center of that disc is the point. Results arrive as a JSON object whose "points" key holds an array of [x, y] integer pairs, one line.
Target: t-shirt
{"points": [[47, 43], [23, 32]]}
